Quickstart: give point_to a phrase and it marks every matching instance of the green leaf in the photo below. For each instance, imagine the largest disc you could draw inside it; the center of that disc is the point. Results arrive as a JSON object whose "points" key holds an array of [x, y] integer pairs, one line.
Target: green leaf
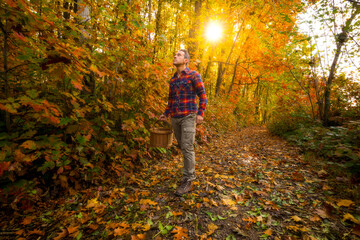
{"points": [[65, 121], [81, 139], [32, 93]]}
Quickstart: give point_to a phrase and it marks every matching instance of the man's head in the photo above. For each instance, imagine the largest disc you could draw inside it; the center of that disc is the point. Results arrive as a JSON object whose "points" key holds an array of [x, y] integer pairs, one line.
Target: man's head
{"points": [[181, 57]]}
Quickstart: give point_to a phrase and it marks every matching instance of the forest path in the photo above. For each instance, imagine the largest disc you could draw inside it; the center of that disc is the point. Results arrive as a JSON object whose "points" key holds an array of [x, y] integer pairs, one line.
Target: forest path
{"points": [[250, 185]]}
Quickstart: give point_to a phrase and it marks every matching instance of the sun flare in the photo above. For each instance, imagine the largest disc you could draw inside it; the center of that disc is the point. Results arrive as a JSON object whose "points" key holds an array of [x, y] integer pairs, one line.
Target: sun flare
{"points": [[213, 31]]}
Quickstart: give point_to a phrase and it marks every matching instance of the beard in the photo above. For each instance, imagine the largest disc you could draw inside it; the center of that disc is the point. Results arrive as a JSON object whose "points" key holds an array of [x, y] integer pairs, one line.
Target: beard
{"points": [[178, 64]]}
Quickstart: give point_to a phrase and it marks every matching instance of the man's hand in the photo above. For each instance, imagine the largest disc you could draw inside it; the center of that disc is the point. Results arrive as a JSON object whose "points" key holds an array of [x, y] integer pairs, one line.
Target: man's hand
{"points": [[199, 119], [162, 118]]}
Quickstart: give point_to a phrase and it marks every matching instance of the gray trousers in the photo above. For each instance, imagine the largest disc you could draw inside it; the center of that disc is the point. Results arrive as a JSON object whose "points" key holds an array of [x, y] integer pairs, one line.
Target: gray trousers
{"points": [[184, 130]]}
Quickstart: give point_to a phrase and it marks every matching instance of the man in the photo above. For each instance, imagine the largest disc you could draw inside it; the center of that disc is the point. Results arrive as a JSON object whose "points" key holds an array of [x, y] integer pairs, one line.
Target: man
{"points": [[185, 85]]}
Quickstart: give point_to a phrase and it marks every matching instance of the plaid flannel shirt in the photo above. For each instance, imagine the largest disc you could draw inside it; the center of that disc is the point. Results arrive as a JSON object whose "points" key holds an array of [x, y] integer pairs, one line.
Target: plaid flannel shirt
{"points": [[182, 95]]}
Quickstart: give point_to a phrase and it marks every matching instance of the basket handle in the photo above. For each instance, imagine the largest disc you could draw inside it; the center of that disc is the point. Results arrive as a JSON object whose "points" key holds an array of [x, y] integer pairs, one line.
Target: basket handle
{"points": [[158, 121]]}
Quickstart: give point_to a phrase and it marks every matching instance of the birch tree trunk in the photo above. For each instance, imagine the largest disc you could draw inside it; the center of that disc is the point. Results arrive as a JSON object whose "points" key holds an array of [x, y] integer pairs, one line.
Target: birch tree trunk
{"points": [[341, 39]]}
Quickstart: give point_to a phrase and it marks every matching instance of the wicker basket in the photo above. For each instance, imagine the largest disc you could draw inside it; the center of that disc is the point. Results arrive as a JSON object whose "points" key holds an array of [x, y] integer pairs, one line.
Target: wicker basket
{"points": [[161, 136]]}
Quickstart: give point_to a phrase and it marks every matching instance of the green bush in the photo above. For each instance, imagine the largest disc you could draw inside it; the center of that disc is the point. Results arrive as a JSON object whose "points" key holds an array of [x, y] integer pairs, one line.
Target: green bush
{"points": [[339, 144]]}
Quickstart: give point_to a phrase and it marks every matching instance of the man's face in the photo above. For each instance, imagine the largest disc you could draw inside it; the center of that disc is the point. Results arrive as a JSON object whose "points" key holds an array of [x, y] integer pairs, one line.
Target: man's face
{"points": [[179, 59]]}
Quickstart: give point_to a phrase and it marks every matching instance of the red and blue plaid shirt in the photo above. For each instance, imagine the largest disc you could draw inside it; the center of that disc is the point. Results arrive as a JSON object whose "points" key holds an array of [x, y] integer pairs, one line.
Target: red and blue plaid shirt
{"points": [[182, 95]]}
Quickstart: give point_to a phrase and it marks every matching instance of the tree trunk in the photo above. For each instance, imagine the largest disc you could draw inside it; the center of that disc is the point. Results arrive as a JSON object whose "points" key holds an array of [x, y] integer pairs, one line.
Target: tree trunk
{"points": [[157, 27], [234, 75], [218, 83], [341, 39], [219, 78], [6, 78], [149, 17], [193, 43]]}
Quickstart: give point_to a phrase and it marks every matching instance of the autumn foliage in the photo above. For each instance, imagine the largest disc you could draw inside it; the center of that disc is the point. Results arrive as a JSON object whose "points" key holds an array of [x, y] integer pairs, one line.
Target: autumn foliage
{"points": [[82, 82]]}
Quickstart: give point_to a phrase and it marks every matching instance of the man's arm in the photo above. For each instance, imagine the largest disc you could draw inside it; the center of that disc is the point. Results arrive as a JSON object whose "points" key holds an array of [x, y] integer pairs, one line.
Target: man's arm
{"points": [[200, 92], [165, 115]]}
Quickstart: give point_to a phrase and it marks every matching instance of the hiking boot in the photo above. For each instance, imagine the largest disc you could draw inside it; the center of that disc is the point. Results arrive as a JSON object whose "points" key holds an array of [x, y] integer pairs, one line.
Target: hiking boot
{"points": [[186, 186]]}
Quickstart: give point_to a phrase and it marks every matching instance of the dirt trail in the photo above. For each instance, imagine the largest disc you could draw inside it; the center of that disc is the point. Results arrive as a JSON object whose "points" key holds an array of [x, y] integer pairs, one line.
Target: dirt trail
{"points": [[250, 185]]}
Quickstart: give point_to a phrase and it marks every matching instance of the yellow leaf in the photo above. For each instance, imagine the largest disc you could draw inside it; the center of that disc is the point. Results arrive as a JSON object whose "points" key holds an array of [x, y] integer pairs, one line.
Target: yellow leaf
{"points": [[259, 218], [350, 217], [92, 203], [228, 201], [220, 188], [29, 145], [211, 229], [268, 232], [345, 203], [139, 226], [296, 218]]}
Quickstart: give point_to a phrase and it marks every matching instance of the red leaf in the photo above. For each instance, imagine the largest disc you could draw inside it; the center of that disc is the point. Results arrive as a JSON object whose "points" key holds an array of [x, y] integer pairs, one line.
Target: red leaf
{"points": [[3, 167], [20, 36], [11, 3]]}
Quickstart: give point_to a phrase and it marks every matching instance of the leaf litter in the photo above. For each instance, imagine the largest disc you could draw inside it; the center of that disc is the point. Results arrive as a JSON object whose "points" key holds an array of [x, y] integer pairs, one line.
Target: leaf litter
{"points": [[250, 185]]}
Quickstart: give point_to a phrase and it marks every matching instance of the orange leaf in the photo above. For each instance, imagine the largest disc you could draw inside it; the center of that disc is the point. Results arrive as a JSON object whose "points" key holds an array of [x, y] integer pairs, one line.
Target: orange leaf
{"points": [[27, 220], [138, 237], [20, 232], [180, 233], [345, 203], [350, 217], [93, 226], [147, 201], [120, 231], [315, 218], [176, 213], [268, 232], [37, 232], [61, 235], [211, 229], [139, 226], [72, 229]]}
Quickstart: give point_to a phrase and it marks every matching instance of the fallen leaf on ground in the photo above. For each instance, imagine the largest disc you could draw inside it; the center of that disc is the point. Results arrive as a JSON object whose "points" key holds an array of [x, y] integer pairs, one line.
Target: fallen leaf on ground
{"points": [[37, 232], [315, 218], [322, 173], [345, 203], [180, 233], [147, 201], [61, 235], [296, 218], [268, 232], [138, 237], [27, 220], [350, 217]]}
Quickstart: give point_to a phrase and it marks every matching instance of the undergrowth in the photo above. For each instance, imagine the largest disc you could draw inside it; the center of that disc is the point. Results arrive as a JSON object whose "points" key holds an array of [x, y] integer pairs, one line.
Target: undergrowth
{"points": [[339, 145]]}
